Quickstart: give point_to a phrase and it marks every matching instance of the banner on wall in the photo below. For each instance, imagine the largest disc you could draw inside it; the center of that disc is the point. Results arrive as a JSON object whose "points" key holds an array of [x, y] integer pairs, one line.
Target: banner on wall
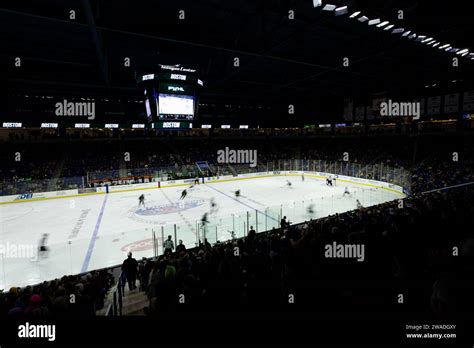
{"points": [[376, 105], [468, 102], [360, 113], [433, 105], [369, 112], [348, 110], [422, 104], [451, 103]]}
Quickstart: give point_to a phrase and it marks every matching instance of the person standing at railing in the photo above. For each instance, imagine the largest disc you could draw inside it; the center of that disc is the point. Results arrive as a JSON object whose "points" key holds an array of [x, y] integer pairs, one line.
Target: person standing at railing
{"points": [[130, 270], [144, 272], [180, 247], [284, 223]]}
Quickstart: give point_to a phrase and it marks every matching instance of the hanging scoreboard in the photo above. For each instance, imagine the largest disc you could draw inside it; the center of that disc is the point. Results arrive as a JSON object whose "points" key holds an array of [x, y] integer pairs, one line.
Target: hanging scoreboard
{"points": [[171, 94]]}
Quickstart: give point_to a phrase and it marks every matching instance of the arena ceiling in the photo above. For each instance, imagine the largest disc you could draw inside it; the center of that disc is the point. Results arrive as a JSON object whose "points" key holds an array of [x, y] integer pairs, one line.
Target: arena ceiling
{"points": [[279, 58]]}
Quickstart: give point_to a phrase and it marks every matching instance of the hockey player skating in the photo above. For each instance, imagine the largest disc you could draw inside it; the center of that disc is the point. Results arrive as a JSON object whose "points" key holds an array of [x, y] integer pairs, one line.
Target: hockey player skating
{"points": [[183, 194], [141, 201], [204, 222], [302, 176], [43, 250], [237, 194], [213, 206], [329, 181], [359, 205], [346, 192], [310, 209], [204, 219], [288, 183]]}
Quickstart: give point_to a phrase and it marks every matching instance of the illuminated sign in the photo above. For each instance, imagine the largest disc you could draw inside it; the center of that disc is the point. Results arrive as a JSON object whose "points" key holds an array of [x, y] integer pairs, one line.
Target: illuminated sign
{"points": [[244, 126], [82, 125], [200, 82], [111, 125], [11, 125], [137, 125], [148, 77], [225, 126], [175, 89], [49, 125], [324, 126], [176, 68], [171, 124], [178, 77], [206, 126]]}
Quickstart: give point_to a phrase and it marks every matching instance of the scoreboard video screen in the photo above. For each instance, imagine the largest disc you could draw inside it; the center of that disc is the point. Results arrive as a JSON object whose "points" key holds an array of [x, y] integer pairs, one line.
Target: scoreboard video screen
{"points": [[175, 107]]}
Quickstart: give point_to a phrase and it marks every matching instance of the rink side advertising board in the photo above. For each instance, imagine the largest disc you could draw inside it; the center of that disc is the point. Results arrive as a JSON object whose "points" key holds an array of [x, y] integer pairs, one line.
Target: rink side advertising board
{"points": [[18, 198]]}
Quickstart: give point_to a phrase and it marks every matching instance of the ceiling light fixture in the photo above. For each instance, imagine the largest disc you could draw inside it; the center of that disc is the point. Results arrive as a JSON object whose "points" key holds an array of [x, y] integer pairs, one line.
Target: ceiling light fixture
{"points": [[329, 7], [374, 21], [340, 11]]}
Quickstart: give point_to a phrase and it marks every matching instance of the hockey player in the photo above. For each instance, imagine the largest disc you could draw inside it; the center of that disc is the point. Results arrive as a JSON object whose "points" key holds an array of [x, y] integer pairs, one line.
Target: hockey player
{"points": [[168, 245], [237, 194], [183, 194], [302, 176], [310, 209], [204, 220], [213, 206], [346, 191], [359, 205], [43, 250], [288, 183], [141, 201], [329, 181]]}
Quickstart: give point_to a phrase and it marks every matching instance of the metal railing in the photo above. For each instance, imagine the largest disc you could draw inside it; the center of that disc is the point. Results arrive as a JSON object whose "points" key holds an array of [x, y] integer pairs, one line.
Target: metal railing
{"points": [[115, 307]]}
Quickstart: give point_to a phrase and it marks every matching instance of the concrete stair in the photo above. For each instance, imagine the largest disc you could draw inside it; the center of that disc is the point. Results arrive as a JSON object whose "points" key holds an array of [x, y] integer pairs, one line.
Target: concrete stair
{"points": [[133, 302]]}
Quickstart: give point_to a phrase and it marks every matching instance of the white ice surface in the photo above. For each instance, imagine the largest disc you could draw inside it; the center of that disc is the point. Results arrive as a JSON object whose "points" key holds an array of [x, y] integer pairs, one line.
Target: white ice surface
{"points": [[112, 224]]}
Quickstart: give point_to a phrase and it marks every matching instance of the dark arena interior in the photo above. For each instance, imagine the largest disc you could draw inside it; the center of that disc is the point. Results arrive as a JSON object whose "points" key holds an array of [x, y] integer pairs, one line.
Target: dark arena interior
{"points": [[236, 172]]}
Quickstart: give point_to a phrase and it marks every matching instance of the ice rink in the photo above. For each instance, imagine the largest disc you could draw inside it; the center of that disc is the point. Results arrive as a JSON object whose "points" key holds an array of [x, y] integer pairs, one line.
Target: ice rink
{"points": [[96, 231]]}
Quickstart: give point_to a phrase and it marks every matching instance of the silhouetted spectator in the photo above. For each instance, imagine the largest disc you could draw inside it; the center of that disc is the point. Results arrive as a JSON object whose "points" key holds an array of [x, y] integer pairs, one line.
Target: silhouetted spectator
{"points": [[130, 270], [181, 247]]}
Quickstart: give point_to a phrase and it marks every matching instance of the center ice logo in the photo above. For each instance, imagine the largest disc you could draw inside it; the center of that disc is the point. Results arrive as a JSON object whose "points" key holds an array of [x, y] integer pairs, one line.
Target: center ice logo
{"points": [[164, 209]]}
